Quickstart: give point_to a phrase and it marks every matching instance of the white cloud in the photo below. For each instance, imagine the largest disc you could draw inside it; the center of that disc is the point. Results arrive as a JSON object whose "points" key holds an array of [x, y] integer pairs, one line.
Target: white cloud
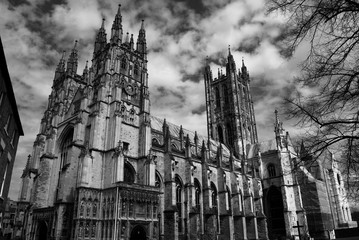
{"points": [[178, 40]]}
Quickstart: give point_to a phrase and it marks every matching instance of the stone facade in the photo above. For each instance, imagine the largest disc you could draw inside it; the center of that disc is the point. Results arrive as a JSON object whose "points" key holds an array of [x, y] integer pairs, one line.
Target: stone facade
{"points": [[103, 167]]}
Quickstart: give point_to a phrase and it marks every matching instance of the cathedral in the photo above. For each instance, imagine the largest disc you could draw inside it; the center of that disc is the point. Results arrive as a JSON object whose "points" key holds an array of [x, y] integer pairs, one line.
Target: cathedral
{"points": [[103, 167]]}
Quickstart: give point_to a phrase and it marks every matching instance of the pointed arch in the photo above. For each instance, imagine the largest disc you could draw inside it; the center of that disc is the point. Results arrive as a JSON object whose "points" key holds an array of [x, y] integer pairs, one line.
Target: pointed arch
{"points": [[179, 201], [197, 194], [158, 179], [214, 195], [66, 140], [129, 173]]}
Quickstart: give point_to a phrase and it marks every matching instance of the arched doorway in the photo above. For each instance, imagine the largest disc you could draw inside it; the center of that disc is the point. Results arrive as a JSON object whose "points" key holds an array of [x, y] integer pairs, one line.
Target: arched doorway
{"points": [[275, 213], [42, 230], [138, 233]]}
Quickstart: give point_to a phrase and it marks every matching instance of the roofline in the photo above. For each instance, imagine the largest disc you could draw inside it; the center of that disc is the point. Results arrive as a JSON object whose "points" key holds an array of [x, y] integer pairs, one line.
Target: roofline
{"points": [[9, 89]]}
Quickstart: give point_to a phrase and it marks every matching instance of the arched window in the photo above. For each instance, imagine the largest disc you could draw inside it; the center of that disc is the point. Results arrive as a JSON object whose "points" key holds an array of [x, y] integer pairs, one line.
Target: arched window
{"points": [[179, 201], [123, 63], [218, 99], [228, 198], [214, 195], [197, 194], [226, 95], [271, 170], [65, 148], [220, 134], [128, 174]]}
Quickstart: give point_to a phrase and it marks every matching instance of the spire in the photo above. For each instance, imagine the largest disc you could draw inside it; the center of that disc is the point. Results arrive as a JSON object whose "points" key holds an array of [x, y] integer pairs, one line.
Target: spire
{"points": [[127, 37], [231, 65], [244, 68], [72, 61], [279, 131], [131, 41], [86, 72], [116, 30], [141, 40], [61, 66], [100, 38]]}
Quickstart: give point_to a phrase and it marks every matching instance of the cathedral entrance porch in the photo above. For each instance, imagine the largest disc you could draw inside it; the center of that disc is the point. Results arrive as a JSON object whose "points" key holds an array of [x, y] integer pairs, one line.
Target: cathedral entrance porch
{"points": [[42, 229], [138, 233], [275, 214]]}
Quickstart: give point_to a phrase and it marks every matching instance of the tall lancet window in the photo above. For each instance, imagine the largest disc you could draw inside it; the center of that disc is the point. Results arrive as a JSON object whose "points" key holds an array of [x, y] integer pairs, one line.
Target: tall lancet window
{"points": [[128, 173], [197, 195], [65, 148], [225, 95], [228, 198], [213, 195], [179, 188], [220, 134], [230, 135], [218, 99]]}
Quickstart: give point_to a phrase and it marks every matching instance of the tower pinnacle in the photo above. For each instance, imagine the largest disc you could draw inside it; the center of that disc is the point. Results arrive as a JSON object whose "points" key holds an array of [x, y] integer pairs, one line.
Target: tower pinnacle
{"points": [[100, 38], [72, 61], [116, 30], [141, 40]]}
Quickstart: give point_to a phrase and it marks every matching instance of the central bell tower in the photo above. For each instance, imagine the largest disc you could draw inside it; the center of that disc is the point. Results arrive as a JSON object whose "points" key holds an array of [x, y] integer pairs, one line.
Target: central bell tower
{"points": [[229, 105]]}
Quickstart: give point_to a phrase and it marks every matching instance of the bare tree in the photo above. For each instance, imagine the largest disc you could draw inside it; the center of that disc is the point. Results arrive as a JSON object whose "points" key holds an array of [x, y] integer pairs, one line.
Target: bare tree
{"points": [[326, 100]]}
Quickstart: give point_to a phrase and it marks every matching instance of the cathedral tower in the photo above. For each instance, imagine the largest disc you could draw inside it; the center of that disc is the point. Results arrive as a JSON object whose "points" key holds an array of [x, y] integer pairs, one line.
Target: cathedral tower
{"points": [[230, 113]]}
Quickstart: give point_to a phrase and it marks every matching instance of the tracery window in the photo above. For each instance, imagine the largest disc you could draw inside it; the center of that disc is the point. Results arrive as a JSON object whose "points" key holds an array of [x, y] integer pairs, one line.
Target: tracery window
{"points": [[271, 170], [65, 148], [179, 202]]}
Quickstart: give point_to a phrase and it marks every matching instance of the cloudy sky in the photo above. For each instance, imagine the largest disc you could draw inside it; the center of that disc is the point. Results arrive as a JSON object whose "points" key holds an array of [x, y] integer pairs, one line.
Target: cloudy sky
{"points": [[180, 34]]}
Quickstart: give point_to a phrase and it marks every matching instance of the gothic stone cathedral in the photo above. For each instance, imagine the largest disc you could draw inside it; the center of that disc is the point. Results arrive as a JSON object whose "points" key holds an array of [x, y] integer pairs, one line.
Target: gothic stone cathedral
{"points": [[103, 167]]}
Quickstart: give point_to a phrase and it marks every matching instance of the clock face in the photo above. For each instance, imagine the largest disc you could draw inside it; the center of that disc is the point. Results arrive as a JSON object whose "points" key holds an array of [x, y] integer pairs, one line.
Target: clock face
{"points": [[129, 90]]}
